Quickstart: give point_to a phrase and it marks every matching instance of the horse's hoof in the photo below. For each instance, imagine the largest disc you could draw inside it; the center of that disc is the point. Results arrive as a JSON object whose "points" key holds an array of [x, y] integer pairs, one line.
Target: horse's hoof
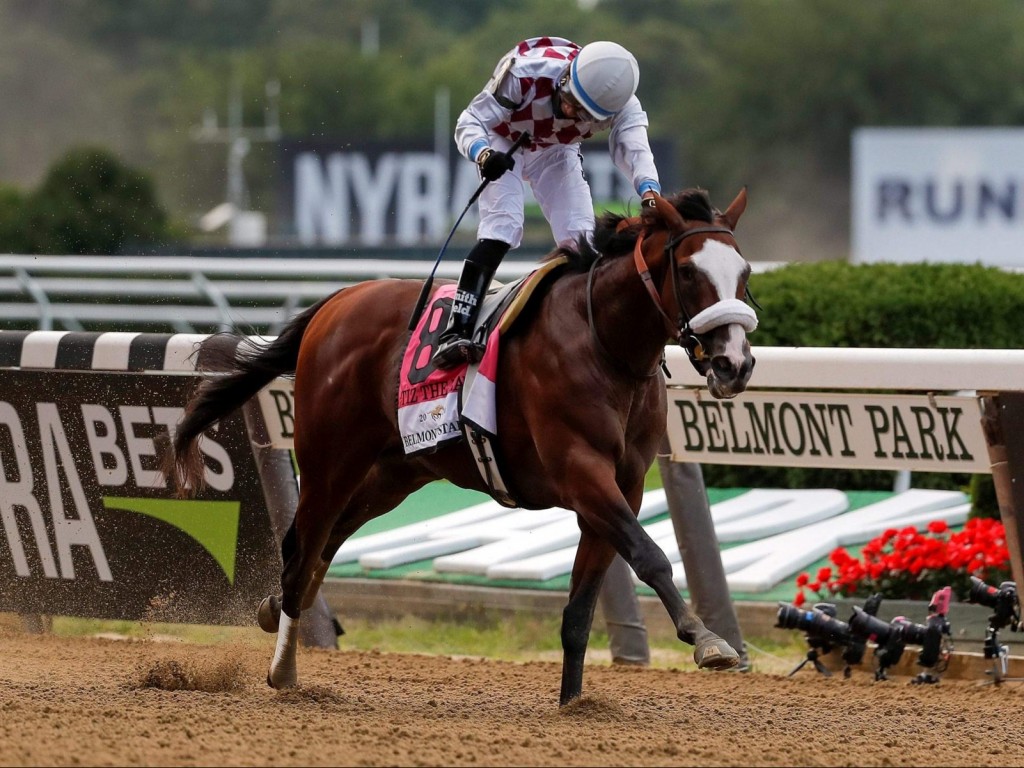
{"points": [[269, 614], [282, 678], [716, 655]]}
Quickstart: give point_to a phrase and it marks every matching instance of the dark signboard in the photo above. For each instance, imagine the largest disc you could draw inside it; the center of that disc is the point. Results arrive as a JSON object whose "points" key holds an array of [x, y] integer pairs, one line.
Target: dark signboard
{"points": [[374, 193], [88, 526]]}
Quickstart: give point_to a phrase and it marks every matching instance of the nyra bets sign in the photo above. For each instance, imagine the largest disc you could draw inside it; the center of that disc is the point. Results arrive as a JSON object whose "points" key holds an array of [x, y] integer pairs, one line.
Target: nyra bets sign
{"points": [[373, 194], [939, 195], [88, 526]]}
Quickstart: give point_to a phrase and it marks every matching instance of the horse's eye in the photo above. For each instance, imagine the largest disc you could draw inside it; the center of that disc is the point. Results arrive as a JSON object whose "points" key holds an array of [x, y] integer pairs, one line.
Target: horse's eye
{"points": [[687, 271]]}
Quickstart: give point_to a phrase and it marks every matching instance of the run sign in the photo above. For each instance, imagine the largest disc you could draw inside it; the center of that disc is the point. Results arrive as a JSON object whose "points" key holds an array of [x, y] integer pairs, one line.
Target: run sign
{"points": [[941, 195]]}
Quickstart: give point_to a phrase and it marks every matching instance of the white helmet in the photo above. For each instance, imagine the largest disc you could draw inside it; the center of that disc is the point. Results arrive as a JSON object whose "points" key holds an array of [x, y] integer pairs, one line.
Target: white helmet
{"points": [[603, 77]]}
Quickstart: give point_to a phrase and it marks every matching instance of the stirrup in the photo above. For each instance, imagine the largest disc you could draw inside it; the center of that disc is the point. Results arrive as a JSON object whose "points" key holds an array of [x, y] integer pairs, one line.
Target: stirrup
{"points": [[457, 351]]}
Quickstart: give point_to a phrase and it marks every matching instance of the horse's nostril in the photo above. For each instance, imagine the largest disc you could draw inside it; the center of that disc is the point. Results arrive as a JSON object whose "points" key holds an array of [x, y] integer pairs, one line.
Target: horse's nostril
{"points": [[723, 367]]}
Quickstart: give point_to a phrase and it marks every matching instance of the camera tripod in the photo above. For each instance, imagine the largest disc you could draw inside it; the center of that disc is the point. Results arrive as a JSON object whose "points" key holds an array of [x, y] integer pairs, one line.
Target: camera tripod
{"points": [[1000, 654], [812, 656]]}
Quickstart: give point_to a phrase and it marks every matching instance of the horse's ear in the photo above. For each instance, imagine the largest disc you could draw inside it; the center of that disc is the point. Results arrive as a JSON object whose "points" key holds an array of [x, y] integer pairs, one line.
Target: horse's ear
{"points": [[665, 213], [732, 214]]}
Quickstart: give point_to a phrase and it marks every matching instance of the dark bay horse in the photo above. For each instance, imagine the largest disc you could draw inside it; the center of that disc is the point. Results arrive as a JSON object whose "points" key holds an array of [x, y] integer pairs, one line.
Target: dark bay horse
{"points": [[581, 408]]}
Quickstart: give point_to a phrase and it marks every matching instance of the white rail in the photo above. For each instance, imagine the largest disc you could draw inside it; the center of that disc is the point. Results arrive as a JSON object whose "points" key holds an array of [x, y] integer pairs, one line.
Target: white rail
{"points": [[195, 294], [189, 294]]}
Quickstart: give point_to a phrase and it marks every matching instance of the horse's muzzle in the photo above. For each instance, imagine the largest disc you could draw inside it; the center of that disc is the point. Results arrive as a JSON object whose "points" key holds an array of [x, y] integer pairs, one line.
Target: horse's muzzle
{"points": [[728, 377]]}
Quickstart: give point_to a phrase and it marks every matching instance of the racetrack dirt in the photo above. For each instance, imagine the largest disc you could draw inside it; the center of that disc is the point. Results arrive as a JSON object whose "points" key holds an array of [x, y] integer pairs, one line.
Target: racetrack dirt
{"points": [[71, 701]]}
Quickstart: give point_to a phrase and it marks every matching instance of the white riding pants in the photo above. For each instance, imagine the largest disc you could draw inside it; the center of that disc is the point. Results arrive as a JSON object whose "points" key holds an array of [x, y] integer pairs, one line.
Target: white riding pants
{"points": [[555, 174]]}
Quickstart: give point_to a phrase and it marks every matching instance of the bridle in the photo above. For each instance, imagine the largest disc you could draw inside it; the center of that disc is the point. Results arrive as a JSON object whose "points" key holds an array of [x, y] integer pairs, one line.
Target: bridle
{"points": [[681, 330], [684, 330]]}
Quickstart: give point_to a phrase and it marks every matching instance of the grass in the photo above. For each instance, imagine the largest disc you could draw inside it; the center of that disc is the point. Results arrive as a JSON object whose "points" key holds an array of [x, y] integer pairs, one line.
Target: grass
{"points": [[516, 638], [523, 638]]}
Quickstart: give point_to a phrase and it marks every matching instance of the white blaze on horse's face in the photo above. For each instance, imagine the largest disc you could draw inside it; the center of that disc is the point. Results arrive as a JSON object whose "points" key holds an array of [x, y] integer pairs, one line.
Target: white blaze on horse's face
{"points": [[723, 266], [724, 325]]}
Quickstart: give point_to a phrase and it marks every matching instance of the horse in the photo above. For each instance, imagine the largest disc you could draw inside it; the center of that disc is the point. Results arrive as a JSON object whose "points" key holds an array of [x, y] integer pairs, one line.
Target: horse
{"points": [[581, 408]]}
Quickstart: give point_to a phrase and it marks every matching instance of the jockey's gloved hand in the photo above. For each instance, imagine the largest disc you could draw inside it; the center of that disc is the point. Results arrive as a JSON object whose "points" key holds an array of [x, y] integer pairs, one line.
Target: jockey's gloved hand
{"points": [[493, 163]]}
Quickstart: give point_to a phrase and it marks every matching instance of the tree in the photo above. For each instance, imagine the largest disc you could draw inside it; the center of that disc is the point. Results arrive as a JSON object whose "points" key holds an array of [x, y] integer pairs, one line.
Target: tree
{"points": [[13, 237], [91, 203], [792, 80]]}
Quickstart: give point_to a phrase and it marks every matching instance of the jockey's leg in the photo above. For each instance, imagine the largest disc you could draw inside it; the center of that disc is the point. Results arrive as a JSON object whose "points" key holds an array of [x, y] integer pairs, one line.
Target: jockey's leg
{"points": [[500, 228], [456, 344], [563, 194]]}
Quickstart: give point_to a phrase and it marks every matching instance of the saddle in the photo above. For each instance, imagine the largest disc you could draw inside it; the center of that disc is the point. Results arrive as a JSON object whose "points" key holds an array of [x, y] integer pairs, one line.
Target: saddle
{"points": [[504, 303], [436, 405]]}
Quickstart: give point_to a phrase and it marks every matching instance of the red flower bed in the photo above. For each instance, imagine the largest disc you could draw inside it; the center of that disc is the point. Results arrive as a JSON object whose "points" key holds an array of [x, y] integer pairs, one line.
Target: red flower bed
{"points": [[907, 565]]}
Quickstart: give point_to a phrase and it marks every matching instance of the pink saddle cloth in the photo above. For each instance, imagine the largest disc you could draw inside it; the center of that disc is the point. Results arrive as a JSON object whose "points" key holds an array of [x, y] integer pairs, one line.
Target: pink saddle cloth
{"points": [[432, 401]]}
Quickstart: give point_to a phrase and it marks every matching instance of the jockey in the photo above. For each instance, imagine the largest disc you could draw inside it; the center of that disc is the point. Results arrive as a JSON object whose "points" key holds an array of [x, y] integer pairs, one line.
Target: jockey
{"points": [[560, 94]]}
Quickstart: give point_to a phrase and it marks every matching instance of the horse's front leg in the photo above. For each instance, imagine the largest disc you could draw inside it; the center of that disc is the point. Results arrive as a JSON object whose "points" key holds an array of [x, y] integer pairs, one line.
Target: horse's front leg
{"points": [[602, 506], [592, 559]]}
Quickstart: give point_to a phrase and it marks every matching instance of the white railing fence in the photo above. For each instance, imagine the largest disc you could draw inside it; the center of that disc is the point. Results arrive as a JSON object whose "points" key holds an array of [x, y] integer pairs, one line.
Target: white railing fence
{"points": [[188, 294], [181, 294]]}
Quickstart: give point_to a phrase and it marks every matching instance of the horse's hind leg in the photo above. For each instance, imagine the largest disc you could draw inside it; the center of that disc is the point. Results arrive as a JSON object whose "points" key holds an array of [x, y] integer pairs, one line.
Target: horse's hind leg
{"points": [[323, 494], [385, 486], [298, 571], [269, 612], [308, 557]]}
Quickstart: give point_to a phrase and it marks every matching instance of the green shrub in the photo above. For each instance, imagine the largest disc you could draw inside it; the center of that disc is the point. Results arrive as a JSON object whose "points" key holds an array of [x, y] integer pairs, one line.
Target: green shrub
{"points": [[940, 306], [983, 497], [13, 204], [88, 203]]}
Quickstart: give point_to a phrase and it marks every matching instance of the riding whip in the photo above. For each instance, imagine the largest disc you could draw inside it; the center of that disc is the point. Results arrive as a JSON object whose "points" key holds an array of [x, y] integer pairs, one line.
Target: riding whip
{"points": [[524, 137]]}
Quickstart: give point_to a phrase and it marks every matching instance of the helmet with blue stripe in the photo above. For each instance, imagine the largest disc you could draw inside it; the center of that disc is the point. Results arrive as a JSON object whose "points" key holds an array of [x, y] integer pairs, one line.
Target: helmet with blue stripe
{"points": [[603, 77]]}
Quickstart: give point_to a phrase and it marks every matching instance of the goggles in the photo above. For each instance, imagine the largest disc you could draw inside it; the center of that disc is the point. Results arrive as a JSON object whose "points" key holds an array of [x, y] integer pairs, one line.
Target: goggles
{"points": [[580, 112]]}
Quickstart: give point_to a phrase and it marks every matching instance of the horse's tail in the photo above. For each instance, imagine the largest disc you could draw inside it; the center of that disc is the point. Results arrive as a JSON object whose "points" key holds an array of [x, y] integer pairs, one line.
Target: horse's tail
{"points": [[243, 367]]}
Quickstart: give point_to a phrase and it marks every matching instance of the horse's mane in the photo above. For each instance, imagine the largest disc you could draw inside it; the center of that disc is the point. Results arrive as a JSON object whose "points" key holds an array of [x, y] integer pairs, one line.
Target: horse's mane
{"points": [[610, 240]]}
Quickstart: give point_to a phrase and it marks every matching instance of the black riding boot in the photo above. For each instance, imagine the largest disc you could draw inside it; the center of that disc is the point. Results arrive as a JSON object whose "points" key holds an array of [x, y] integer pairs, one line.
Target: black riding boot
{"points": [[456, 345]]}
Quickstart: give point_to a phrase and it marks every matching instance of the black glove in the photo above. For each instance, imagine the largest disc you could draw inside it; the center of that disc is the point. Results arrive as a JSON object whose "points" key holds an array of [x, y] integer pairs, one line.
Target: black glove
{"points": [[493, 164], [649, 202]]}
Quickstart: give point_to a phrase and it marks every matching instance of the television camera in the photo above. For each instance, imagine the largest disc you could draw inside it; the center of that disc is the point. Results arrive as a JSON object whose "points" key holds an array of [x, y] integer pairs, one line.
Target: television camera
{"points": [[934, 637]]}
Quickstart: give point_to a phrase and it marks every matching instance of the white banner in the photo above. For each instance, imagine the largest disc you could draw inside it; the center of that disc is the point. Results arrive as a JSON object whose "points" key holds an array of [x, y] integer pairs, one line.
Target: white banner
{"points": [[277, 402], [803, 429], [939, 195], [922, 433]]}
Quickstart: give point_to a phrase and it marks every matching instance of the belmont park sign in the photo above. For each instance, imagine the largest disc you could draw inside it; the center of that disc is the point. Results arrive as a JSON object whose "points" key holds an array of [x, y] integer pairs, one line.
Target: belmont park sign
{"points": [[794, 429]]}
